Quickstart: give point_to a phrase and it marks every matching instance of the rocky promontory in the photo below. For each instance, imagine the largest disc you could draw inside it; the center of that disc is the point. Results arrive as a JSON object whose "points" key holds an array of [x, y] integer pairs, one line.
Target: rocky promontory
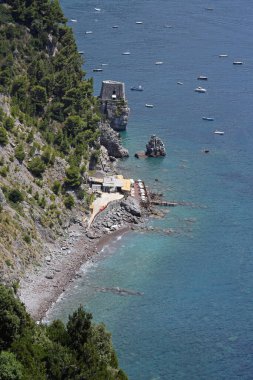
{"points": [[111, 141]]}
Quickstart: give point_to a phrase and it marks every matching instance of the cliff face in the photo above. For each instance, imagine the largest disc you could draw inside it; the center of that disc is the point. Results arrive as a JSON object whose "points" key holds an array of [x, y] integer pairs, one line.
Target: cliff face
{"points": [[33, 210], [117, 113], [48, 132], [111, 141]]}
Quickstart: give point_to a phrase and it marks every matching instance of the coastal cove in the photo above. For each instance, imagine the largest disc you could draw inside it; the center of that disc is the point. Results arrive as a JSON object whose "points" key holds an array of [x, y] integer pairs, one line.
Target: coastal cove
{"points": [[178, 306]]}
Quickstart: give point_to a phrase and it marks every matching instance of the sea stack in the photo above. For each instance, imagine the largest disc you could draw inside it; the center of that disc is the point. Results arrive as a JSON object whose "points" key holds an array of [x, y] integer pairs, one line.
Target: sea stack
{"points": [[155, 147]]}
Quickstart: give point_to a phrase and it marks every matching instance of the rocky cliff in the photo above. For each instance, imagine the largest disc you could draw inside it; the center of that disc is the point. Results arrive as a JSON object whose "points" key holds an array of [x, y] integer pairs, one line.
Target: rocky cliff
{"points": [[116, 112], [111, 141]]}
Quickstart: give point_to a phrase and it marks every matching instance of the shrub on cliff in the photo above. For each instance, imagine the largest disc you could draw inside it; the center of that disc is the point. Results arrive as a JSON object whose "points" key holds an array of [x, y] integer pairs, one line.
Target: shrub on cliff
{"points": [[69, 201], [3, 136], [36, 166], [8, 123], [15, 196], [73, 178], [20, 153]]}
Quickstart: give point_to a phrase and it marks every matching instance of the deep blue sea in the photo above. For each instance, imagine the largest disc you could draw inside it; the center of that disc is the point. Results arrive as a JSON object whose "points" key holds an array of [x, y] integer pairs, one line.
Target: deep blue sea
{"points": [[195, 317]]}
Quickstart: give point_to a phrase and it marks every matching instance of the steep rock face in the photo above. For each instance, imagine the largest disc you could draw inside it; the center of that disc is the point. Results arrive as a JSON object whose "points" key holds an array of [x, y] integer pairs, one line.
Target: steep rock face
{"points": [[110, 140], [117, 113]]}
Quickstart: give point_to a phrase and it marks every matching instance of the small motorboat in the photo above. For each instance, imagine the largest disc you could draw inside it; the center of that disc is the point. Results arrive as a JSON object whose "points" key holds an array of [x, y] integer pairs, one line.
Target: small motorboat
{"points": [[104, 64], [223, 55], [126, 53], [159, 63], [218, 132], [115, 26], [139, 22], [81, 52], [149, 105], [207, 118], [209, 9], [200, 90], [97, 70], [137, 88], [97, 9], [73, 20], [237, 63], [88, 32], [202, 77], [180, 83], [168, 26]]}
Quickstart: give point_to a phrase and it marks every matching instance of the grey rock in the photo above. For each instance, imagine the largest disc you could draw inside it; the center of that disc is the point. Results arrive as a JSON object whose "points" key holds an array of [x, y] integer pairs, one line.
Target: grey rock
{"points": [[110, 140], [49, 276], [2, 197], [132, 206]]}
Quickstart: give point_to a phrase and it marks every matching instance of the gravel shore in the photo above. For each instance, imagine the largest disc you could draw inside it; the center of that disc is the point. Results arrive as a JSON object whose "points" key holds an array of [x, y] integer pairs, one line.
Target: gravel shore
{"points": [[43, 285]]}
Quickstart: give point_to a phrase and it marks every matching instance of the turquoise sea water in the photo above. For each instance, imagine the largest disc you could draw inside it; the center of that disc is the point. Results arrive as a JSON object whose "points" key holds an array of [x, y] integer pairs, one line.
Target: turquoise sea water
{"points": [[194, 320]]}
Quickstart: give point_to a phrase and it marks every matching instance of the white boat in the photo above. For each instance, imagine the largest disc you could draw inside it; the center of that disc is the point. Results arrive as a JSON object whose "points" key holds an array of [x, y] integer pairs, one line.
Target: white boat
{"points": [[73, 20], [139, 22], [138, 88], [207, 118], [97, 9], [237, 63], [149, 105], [81, 52], [218, 132], [88, 32], [115, 26], [159, 63], [200, 89], [168, 26], [223, 55], [180, 83], [126, 53], [202, 77], [104, 64], [97, 70]]}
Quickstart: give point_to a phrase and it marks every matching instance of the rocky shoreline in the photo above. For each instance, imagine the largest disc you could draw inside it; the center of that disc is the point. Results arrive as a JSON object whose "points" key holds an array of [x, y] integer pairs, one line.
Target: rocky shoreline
{"points": [[42, 286]]}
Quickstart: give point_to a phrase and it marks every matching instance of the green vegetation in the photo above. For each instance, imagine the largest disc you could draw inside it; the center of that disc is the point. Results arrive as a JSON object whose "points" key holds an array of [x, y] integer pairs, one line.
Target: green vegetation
{"points": [[42, 71], [3, 136], [15, 196], [69, 201], [49, 120], [36, 166], [79, 350], [20, 153], [73, 177]]}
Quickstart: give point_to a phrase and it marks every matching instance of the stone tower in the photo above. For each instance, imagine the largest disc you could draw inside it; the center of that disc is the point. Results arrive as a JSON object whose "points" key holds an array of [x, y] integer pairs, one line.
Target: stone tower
{"points": [[112, 90], [113, 104]]}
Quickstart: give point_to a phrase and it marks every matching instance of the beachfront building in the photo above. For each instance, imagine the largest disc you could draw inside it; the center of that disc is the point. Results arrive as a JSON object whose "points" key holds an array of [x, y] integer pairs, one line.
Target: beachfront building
{"points": [[111, 184]]}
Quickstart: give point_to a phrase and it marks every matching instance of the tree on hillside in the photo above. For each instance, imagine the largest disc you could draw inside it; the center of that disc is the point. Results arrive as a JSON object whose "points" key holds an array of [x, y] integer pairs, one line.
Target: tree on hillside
{"points": [[10, 367], [13, 318]]}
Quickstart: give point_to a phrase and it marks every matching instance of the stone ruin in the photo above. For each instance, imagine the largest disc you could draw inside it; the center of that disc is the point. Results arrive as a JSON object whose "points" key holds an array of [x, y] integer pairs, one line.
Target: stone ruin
{"points": [[113, 104]]}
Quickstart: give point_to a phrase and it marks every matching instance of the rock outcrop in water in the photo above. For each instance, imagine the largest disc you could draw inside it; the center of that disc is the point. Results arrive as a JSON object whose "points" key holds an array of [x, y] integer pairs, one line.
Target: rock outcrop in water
{"points": [[155, 147]]}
